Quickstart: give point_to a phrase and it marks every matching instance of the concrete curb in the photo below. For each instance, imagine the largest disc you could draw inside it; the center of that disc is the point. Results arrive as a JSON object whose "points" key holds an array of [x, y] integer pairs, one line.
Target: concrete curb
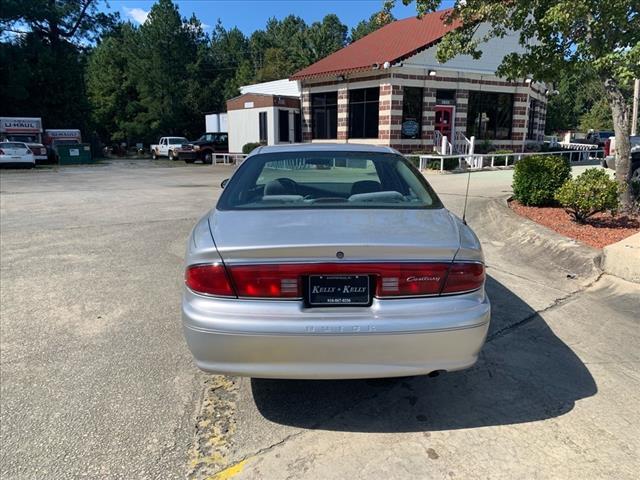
{"points": [[535, 242], [622, 259]]}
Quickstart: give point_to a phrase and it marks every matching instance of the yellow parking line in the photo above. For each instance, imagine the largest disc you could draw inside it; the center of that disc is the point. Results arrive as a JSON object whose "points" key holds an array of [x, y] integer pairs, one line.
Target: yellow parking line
{"points": [[229, 472]]}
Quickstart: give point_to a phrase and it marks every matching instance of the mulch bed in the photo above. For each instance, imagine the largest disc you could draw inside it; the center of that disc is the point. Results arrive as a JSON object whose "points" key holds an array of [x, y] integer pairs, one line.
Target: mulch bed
{"points": [[600, 230]]}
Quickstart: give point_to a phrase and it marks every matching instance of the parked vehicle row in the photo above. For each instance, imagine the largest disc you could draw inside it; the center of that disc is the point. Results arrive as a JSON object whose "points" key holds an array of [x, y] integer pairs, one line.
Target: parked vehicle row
{"points": [[43, 144], [204, 149], [27, 131]]}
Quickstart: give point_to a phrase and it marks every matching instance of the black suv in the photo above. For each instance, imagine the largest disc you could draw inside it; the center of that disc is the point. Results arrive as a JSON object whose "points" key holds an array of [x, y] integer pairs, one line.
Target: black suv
{"points": [[205, 148]]}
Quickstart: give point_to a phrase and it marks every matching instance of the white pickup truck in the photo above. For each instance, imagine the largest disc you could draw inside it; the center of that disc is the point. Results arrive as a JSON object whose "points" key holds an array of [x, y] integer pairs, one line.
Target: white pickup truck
{"points": [[168, 147], [610, 155]]}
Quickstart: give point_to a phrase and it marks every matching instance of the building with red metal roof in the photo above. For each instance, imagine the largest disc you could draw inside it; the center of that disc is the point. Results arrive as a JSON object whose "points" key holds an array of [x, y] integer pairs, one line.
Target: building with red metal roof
{"points": [[388, 89]]}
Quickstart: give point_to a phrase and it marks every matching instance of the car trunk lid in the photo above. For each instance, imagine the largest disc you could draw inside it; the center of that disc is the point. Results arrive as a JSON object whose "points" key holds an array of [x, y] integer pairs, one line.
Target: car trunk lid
{"points": [[329, 235]]}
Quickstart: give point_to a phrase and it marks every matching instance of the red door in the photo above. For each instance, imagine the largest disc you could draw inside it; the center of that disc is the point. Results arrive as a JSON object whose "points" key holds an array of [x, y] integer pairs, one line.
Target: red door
{"points": [[444, 120]]}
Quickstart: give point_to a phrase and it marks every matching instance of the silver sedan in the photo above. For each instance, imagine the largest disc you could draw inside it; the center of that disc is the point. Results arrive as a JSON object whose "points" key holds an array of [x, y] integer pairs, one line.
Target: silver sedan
{"points": [[332, 261]]}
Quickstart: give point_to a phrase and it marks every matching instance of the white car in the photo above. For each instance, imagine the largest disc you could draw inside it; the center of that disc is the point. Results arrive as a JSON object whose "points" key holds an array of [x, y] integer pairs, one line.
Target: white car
{"points": [[16, 154]]}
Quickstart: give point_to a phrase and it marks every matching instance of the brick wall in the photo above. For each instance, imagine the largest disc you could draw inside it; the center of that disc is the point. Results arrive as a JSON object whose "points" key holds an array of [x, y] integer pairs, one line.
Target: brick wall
{"points": [[391, 97]]}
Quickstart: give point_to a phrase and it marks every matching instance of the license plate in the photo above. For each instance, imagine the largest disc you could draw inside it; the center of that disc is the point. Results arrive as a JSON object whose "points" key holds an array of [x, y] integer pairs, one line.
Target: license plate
{"points": [[335, 290]]}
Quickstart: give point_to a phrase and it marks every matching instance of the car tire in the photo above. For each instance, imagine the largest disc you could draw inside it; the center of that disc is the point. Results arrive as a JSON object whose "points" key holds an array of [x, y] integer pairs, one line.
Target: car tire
{"points": [[154, 155], [172, 155], [208, 158]]}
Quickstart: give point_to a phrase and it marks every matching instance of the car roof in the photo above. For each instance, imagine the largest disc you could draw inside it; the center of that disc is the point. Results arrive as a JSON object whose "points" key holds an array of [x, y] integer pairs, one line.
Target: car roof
{"points": [[324, 147]]}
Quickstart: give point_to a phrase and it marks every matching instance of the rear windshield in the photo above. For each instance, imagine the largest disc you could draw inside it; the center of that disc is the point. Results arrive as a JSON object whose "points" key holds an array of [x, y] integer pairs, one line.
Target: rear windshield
{"points": [[327, 180], [23, 138], [12, 145]]}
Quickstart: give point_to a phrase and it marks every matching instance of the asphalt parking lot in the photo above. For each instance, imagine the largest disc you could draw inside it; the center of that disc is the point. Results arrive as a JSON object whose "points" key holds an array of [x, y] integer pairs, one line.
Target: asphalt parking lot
{"points": [[97, 382]]}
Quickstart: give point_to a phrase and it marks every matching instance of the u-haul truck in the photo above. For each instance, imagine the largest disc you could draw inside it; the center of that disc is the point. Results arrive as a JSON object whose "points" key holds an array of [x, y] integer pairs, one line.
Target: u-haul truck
{"points": [[27, 130]]}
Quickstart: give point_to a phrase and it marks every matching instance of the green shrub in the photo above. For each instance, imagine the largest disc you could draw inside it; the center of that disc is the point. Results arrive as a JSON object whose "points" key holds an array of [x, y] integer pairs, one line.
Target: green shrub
{"points": [[485, 146], [536, 179], [589, 193], [498, 160], [449, 164], [249, 147], [414, 160]]}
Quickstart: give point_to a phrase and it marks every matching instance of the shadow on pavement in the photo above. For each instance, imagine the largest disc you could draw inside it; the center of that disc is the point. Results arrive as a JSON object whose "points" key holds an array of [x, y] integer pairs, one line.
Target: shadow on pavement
{"points": [[523, 375]]}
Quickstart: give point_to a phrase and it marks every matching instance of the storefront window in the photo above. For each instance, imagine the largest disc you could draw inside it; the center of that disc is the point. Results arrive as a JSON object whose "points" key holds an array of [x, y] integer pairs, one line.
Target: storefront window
{"points": [[324, 115], [363, 112], [490, 115], [411, 112]]}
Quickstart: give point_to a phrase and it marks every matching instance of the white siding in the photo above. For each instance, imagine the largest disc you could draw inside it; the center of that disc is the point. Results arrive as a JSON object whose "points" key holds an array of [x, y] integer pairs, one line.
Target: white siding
{"points": [[216, 122], [277, 87], [493, 52], [244, 126]]}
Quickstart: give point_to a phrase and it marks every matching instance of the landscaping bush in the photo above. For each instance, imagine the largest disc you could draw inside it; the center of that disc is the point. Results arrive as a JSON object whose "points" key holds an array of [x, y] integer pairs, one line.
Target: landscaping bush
{"points": [[484, 147], [498, 160], [414, 159], [449, 164], [536, 179], [589, 193], [249, 147]]}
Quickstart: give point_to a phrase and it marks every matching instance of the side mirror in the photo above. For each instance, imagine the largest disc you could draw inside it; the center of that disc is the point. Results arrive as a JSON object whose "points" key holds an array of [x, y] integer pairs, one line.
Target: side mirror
{"points": [[224, 182]]}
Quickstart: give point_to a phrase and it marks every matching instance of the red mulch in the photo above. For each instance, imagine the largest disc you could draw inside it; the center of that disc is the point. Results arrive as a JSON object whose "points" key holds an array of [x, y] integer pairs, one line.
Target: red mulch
{"points": [[600, 230]]}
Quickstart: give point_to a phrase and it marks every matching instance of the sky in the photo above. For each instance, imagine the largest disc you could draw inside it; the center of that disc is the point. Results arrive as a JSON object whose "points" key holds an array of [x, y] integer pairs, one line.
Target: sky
{"points": [[251, 15]]}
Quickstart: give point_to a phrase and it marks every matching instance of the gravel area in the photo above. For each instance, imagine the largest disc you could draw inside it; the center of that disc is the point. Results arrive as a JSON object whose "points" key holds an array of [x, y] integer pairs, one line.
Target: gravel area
{"points": [[600, 230]]}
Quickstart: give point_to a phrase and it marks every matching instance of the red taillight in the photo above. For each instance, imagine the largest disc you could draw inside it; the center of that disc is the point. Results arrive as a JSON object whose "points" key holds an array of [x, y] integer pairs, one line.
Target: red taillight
{"points": [[209, 279], [286, 280], [410, 279], [390, 279], [268, 281], [607, 147], [464, 277]]}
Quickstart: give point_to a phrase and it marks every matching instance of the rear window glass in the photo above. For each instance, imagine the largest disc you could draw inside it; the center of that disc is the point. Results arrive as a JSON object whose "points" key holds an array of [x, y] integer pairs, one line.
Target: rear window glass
{"points": [[12, 145], [327, 180]]}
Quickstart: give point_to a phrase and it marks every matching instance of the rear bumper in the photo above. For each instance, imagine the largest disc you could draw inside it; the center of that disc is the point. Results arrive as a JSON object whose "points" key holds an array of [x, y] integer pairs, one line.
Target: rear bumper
{"points": [[282, 339], [17, 162]]}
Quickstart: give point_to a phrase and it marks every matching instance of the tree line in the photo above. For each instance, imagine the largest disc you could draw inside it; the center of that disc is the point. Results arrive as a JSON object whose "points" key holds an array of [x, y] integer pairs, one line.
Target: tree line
{"points": [[78, 67]]}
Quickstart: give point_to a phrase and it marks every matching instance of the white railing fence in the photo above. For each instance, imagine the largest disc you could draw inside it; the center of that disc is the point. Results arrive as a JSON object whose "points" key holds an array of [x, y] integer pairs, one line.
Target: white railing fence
{"points": [[229, 158], [442, 144], [462, 144], [478, 161]]}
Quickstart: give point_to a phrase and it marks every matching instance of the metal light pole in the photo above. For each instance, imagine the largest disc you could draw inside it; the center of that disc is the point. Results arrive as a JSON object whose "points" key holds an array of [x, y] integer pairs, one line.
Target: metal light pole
{"points": [[634, 114]]}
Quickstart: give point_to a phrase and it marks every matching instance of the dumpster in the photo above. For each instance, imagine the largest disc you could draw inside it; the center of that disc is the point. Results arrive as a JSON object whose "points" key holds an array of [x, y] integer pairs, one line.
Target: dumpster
{"points": [[69, 154]]}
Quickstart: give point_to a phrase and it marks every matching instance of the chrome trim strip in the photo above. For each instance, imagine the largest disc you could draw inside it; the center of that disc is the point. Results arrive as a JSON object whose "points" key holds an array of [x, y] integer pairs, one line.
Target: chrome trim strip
{"points": [[334, 334]]}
